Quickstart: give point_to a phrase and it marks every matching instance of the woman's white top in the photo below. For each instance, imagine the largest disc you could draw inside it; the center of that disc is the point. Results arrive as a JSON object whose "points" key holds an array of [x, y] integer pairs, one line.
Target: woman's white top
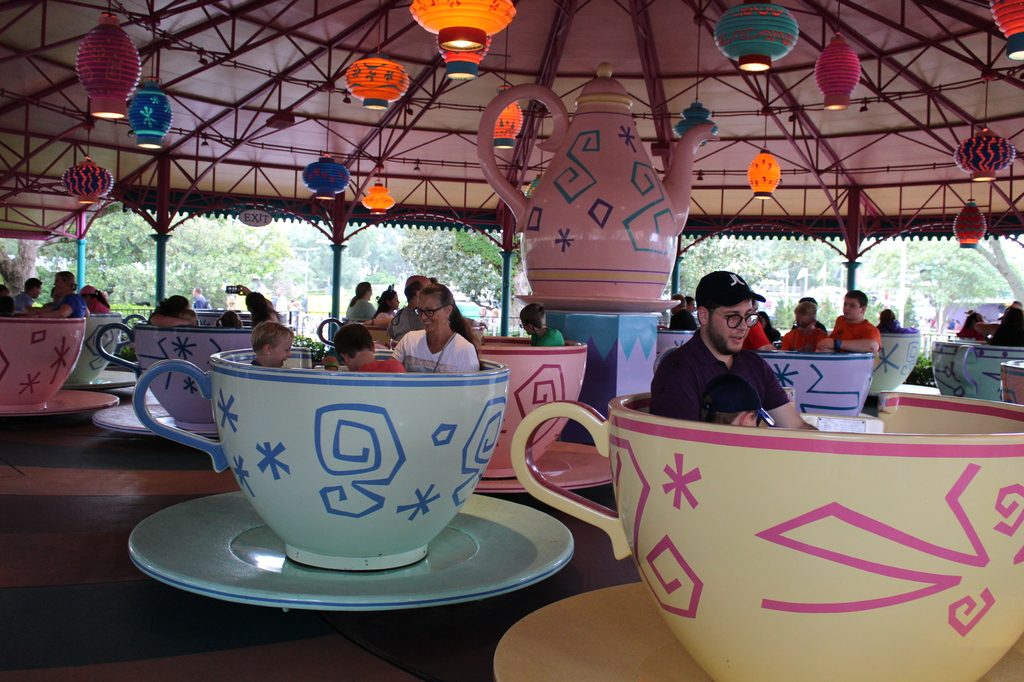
{"points": [[458, 355]]}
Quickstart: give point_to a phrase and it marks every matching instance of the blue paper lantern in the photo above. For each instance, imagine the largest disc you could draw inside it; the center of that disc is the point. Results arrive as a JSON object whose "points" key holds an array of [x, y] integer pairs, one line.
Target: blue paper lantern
{"points": [[694, 115], [755, 33], [87, 181], [984, 154], [325, 177], [150, 115]]}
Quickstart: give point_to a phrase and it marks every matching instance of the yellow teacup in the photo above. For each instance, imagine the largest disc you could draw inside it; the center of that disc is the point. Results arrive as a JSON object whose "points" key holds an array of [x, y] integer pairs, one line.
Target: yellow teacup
{"points": [[799, 556]]}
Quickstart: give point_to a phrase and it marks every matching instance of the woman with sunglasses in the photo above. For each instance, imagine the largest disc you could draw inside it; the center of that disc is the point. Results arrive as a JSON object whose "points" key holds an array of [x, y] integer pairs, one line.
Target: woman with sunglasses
{"points": [[446, 344]]}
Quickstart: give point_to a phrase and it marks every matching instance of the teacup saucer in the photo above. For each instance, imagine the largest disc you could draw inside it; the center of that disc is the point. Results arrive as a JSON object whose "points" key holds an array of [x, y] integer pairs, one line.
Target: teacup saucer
{"points": [[219, 547], [65, 402], [625, 640], [123, 419], [107, 379], [569, 465], [587, 303]]}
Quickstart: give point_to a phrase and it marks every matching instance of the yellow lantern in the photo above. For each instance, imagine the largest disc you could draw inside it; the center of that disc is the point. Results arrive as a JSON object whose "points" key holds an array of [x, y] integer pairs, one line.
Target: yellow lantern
{"points": [[764, 175], [377, 81], [463, 25], [508, 125], [378, 200]]}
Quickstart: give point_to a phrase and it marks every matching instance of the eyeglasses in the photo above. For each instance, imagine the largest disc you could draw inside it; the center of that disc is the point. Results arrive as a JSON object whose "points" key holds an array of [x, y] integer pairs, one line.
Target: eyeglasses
{"points": [[429, 312], [734, 320]]}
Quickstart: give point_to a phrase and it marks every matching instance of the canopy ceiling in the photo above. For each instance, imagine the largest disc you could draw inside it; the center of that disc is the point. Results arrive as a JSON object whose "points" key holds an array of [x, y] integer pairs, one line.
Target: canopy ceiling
{"points": [[880, 167]]}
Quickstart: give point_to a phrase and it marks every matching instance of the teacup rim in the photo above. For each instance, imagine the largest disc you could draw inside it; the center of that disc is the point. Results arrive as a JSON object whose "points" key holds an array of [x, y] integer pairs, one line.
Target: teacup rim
{"points": [[830, 357], [32, 319]]}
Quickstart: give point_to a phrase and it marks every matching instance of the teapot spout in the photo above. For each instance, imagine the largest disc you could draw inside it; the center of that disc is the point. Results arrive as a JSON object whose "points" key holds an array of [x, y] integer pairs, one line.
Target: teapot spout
{"points": [[679, 178]]}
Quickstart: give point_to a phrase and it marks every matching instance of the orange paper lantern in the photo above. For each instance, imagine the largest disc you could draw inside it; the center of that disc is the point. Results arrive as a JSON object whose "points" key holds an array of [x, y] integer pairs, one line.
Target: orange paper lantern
{"points": [[1009, 16], [465, 24], [378, 200], [377, 81], [508, 125], [463, 65], [764, 174]]}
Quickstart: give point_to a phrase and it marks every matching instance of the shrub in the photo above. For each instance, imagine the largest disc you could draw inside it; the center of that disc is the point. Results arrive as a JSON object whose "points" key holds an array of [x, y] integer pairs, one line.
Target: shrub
{"points": [[316, 348], [922, 374]]}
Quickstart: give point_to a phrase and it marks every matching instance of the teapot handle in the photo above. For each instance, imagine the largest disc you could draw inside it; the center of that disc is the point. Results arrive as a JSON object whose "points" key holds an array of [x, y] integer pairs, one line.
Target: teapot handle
{"points": [[485, 151]]}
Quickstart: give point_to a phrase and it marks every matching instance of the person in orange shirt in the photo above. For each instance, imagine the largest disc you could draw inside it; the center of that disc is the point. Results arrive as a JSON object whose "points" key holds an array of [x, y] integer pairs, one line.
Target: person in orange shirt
{"points": [[852, 333], [806, 335]]}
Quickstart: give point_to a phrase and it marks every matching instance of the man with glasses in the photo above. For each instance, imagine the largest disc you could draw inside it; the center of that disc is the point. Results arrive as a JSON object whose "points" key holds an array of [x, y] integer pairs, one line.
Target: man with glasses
{"points": [[726, 311]]}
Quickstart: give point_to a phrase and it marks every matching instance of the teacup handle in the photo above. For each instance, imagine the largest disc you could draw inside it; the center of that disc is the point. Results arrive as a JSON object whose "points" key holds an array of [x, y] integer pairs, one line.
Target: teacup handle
{"points": [[320, 330], [102, 352], [564, 500], [960, 365], [211, 447]]}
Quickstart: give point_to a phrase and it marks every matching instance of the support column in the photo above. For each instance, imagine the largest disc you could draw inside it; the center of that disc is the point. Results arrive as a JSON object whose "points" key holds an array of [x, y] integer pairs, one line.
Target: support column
{"points": [[506, 290], [676, 273], [80, 272], [336, 251], [161, 266], [851, 274]]}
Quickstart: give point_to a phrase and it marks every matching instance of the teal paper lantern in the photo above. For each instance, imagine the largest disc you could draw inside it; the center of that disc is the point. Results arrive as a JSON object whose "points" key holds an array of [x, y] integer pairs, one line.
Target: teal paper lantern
{"points": [[755, 33], [150, 115], [694, 115]]}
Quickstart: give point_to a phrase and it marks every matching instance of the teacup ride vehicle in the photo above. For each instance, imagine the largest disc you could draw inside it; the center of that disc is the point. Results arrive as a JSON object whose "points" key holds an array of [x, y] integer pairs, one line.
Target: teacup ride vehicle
{"points": [[790, 556], [1012, 381], [824, 383], [36, 356], [178, 394], [327, 328], [540, 375], [894, 361], [343, 475], [971, 370], [208, 317], [90, 370]]}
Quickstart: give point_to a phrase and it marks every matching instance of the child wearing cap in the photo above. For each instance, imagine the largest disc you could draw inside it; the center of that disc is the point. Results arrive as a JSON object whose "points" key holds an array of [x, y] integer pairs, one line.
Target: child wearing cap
{"points": [[534, 323], [728, 399]]}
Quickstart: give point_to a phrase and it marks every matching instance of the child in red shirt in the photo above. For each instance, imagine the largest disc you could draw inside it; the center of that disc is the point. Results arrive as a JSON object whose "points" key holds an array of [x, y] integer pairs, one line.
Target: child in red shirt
{"points": [[354, 346]]}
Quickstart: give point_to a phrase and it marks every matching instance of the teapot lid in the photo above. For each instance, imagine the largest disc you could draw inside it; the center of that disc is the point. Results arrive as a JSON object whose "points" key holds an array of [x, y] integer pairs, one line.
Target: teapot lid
{"points": [[604, 90]]}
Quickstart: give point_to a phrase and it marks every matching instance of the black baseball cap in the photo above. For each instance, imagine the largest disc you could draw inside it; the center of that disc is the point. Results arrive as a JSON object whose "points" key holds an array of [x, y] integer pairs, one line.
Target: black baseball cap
{"points": [[724, 288], [728, 393]]}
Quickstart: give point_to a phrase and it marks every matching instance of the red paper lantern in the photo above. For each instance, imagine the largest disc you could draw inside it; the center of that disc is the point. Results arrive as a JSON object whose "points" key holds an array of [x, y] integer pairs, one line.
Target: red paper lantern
{"points": [[87, 182], [969, 226], [377, 81], [108, 67], [1009, 16], [463, 65], [837, 72]]}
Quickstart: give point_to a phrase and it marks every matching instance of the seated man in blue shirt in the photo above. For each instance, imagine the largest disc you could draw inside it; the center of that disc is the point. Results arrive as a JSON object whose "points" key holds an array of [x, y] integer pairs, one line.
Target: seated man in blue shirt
{"points": [[69, 303], [726, 312]]}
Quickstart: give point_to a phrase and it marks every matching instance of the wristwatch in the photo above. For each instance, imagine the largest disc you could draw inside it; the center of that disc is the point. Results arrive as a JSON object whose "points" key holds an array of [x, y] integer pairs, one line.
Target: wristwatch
{"points": [[837, 346]]}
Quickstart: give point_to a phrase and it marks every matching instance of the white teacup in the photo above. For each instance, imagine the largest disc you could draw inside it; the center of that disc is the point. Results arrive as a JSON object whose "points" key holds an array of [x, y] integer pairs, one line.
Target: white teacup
{"points": [[353, 471], [802, 556], [90, 364], [1013, 382], [825, 383], [971, 370], [36, 356], [894, 361]]}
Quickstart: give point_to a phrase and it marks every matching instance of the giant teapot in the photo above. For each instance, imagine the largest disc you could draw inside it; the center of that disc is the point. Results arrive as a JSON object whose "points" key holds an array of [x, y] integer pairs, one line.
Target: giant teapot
{"points": [[599, 230]]}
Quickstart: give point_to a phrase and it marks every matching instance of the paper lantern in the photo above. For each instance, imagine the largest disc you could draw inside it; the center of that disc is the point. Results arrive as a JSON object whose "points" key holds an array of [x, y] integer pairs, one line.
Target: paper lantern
{"points": [[377, 81], [87, 182], [1009, 16], [969, 225], [108, 67], [325, 177], [463, 65], [984, 154], [755, 33], [694, 115], [378, 200], [150, 114], [463, 24], [508, 125], [764, 174], [837, 73]]}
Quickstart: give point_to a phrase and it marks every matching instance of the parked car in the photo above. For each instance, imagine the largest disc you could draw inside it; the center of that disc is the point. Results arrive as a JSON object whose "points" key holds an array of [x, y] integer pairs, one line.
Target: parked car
{"points": [[468, 309]]}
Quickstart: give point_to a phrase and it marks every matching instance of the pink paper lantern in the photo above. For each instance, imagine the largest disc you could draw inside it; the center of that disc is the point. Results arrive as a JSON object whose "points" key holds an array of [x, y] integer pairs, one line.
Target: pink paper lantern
{"points": [[837, 72], [108, 67]]}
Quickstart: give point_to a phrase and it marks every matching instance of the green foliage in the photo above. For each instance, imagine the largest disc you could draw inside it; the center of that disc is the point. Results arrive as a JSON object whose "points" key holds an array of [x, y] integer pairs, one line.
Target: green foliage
{"points": [[922, 374], [317, 348], [467, 262]]}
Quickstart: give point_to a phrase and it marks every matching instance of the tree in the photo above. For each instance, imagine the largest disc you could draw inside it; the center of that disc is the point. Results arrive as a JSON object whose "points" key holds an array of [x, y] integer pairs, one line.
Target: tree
{"points": [[17, 267], [996, 256], [465, 261]]}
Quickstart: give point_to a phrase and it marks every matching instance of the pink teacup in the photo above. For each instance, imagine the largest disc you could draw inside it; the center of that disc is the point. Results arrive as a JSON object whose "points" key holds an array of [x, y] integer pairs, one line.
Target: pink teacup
{"points": [[36, 357], [537, 375], [1013, 381]]}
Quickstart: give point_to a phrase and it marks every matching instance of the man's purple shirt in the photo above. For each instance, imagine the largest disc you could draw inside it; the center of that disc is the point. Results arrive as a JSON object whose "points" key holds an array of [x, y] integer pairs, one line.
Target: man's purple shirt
{"points": [[682, 375]]}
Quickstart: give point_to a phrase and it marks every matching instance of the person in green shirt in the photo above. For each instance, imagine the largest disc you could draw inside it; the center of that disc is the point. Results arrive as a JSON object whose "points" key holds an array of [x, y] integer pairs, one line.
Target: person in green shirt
{"points": [[531, 317]]}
